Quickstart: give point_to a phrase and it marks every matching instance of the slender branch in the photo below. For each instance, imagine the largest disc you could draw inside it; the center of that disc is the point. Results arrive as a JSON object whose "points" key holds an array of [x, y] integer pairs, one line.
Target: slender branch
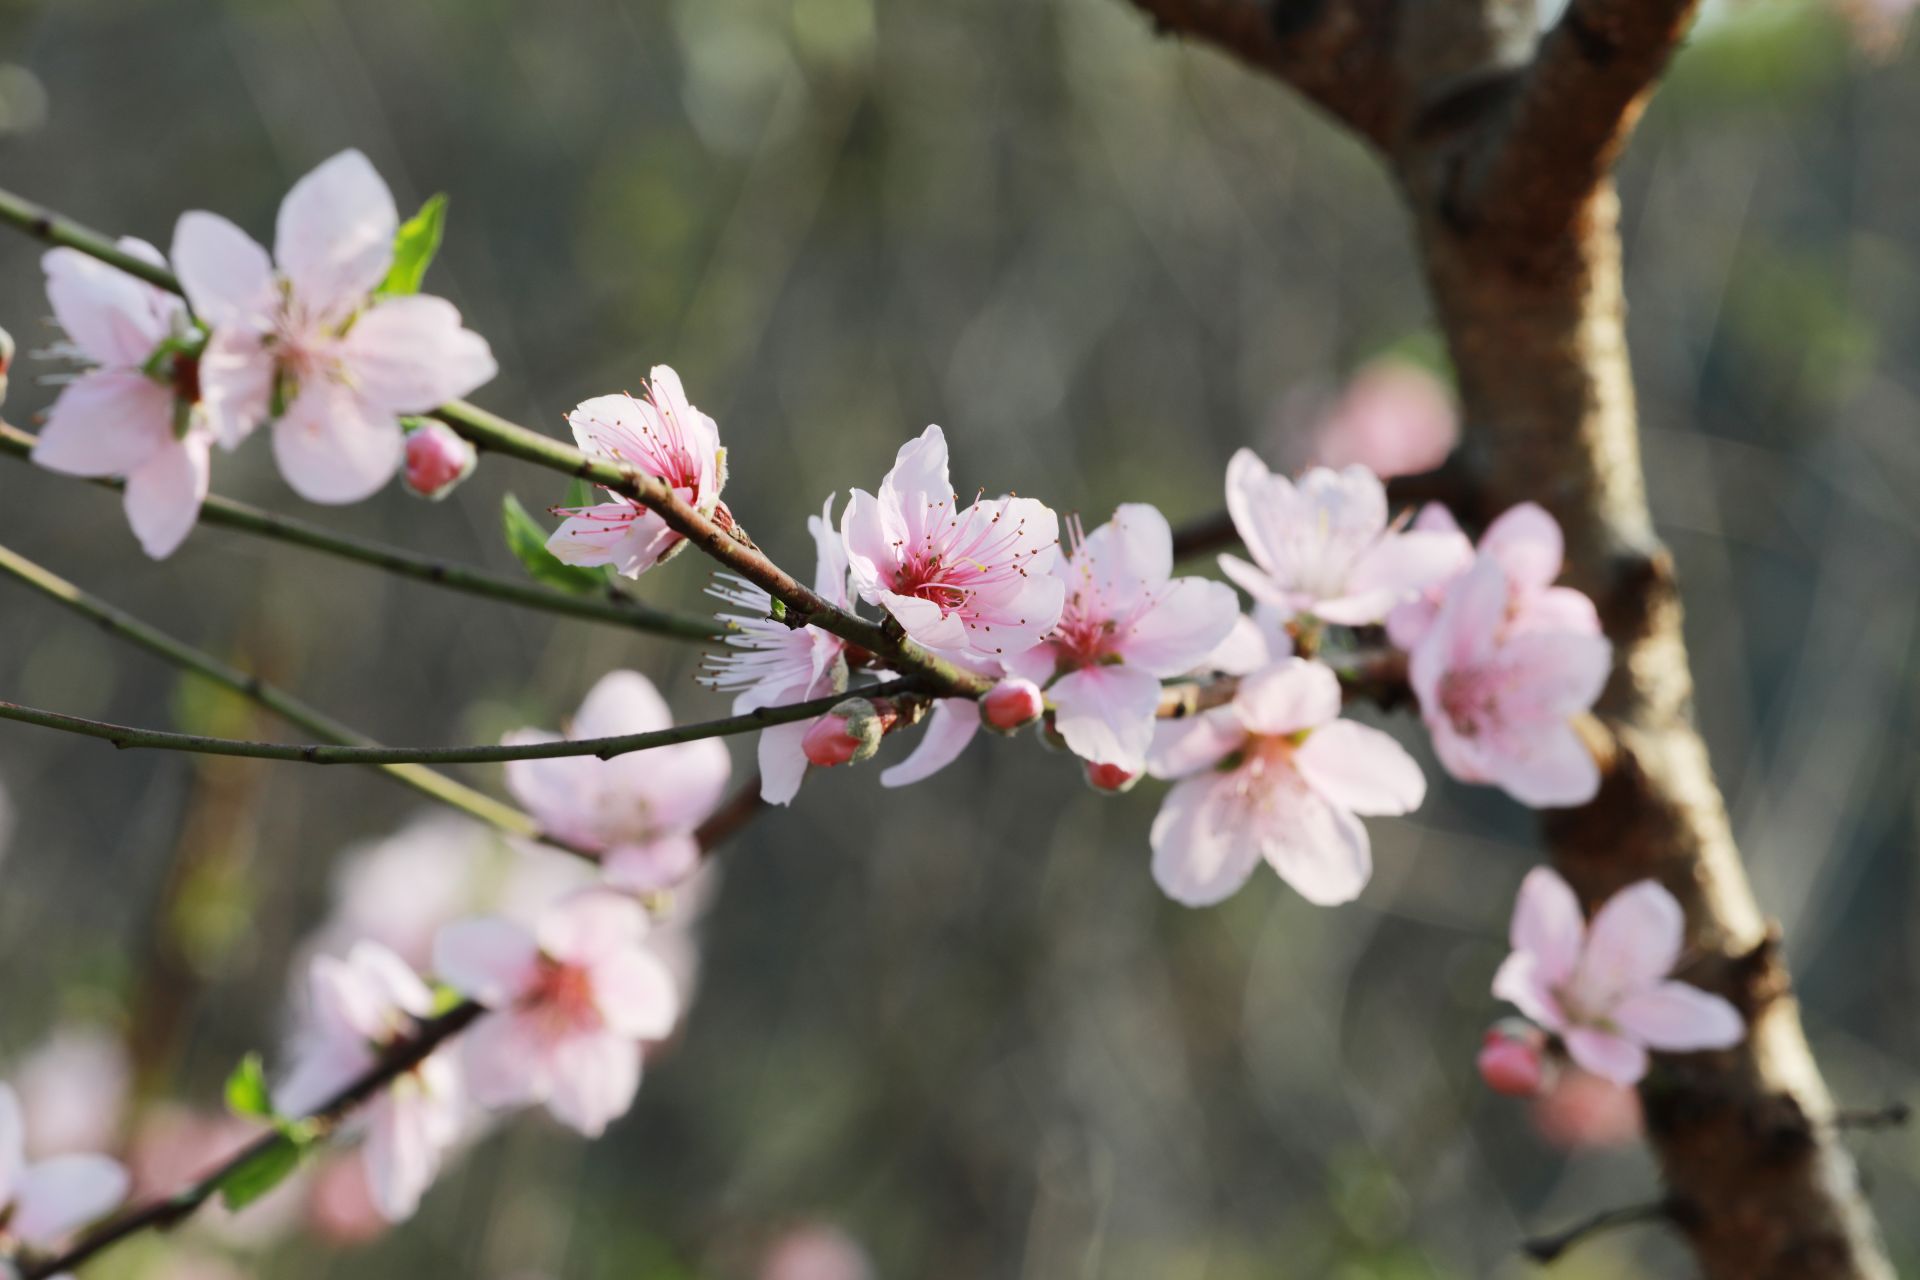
{"points": [[1545, 1249], [165, 1212], [289, 708], [615, 607], [1895, 1115], [728, 545]]}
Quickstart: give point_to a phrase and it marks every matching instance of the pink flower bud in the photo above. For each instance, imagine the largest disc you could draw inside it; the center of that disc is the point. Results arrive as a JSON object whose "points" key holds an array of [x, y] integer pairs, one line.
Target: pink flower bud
{"points": [[437, 460], [1513, 1059], [849, 733], [1012, 704], [1110, 778]]}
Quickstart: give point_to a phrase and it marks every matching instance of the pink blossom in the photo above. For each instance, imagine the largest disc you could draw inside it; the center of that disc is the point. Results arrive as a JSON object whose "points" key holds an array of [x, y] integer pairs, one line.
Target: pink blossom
{"points": [[43, 1202], [659, 434], [340, 1207], [1513, 1059], [135, 412], [301, 340], [771, 663], [1275, 774], [170, 1139], [571, 999], [1012, 704], [1526, 542], [1323, 546], [73, 1089], [816, 1251], [639, 811], [1127, 624], [1500, 686], [1603, 988], [438, 460], [1394, 419], [977, 582], [359, 1008], [1578, 1109]]}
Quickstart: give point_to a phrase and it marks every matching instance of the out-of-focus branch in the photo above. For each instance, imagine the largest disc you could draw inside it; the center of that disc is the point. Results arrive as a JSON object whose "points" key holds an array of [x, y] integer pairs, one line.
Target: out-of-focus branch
{"points": [[1548, 1248], [615, 607]]}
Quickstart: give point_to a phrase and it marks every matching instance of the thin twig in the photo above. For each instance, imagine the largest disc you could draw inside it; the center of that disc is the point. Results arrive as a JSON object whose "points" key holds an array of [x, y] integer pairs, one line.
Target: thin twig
{"points": [[615, 607], [1545, 1249], [1894, 1115]]}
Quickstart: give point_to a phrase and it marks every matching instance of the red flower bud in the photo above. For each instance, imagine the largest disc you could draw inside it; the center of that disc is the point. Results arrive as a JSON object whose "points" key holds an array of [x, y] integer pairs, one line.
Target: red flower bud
{"points": [[1110, 778], [1513, 1059], [437, 460], [1012, 704]]}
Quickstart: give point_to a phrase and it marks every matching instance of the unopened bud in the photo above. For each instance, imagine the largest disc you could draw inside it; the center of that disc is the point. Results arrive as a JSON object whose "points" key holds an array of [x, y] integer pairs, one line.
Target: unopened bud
{"points": [[1012, 704], [1513, 1059], [1110, 778], [848, 734], [437, 460], [6, 362]]}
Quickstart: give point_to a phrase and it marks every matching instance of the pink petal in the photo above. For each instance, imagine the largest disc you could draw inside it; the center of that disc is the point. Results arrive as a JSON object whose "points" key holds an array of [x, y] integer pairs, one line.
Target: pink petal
{"points": [[395, 984], [917, 489], [106, 422], [1106, 714], [1291, 695], [1144, 542], [635, 995], [1555, 674], [1360, 769], [1521, 982], [1550, 767], [334, 237], [561, 791], [1318, 848], [630, 539], [1611, 1057], [164, 494], [1192, 743], [620, 702], [653, 866], [13, 1143], [1257, 583], [236, 384], [1465, 632], [590, 926], [595, 1078], [1199, 858], [949, 729], [783, 764], [1634, 941], [1394, 570], [1188, 620], [225, 274], [334, 448], [1527, 543], [411, 354], [115, 319], [1679, 1019], [401, 1154], [59, 1195], [486, 958], [925, 622], [867, 542], [1247, 647], [1556, 609], [507, 1061], [830, 556], [1548, 925]]}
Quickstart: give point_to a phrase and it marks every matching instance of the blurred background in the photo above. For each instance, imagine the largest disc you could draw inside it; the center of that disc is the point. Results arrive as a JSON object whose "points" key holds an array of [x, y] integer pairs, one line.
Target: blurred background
{"points": [[952, 1031]]}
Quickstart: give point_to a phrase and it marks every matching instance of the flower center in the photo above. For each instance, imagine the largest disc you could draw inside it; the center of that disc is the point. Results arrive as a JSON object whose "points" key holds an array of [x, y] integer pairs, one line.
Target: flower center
{"points": [[1469, 699], [563, 995]]}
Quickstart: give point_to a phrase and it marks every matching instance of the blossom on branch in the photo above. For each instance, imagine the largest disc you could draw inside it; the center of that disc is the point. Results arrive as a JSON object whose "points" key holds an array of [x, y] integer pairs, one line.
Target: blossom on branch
{"points": [[976, 583], [1394, 418], [1603, 987], [1275, 775], [770, 663], [1527, 544], [43, 1202], [360, 1008], [571, 1000], [136, 412], [302, 340], [1323, 546], [659, 434], [1127, 624], [639, 810]]}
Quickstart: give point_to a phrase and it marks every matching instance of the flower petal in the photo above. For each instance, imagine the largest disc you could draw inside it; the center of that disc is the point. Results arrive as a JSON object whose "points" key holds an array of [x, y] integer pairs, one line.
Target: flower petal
{"points": [[1680, 1018], [1548, 925], [486, 958], [1609, 1056], [411, 354], [507, 1061], [1192, 743], [334, 448], [949, 729], [225, 274], [334, 236], [164, 494], [1106, 714], [590, 926], [1187, 621], [59, 1195], [1199, 859], [115, 319], [1528, 544], [1633, 942], [635, 995], [595, 1078], [1522, 982], [1318, 848], [106, 422], [1360, 769], [783, 762], [653, 866], [1291, 695]]}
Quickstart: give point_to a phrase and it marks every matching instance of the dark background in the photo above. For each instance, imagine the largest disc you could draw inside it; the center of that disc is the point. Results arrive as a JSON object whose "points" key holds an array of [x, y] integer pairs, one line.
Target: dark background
{"points": [[959, 1021]]}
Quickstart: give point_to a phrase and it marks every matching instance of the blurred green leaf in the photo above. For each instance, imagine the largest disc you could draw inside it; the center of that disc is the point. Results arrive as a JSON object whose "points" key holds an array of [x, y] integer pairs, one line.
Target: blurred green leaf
{"points": [[414, 246], [247, 1092], [528, 542], [263, 1173]]}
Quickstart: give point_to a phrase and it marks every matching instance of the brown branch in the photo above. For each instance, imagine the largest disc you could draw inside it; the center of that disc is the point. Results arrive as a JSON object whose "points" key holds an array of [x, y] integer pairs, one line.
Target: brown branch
{"points": [[1548, 1248]]}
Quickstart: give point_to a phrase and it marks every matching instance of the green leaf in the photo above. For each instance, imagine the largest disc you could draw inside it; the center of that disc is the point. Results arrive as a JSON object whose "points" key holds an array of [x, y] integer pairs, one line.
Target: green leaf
{"points": [[247, 1092], [267, 1170], [528, 542], [414, 246]]}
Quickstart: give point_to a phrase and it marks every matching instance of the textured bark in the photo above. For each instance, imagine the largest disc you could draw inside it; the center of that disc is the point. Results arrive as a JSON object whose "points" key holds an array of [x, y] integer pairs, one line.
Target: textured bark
{"points": [[1505, 157]]}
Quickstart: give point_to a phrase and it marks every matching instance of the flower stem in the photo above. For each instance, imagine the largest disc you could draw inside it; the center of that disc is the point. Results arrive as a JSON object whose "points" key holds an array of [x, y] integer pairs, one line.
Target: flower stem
{"points": [[617, 607]]}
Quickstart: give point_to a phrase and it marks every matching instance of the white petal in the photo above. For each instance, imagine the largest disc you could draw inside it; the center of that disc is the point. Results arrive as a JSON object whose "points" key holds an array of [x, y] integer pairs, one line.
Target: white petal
{"points": [[1188, 620], [1193, 743], [224, 273], [1199, 858], [1633, 942], [1521, 982], [1318, 848], [1106, 714], [1360, 769], [635, 994], [58, 1195], [620, 702], [106, 422], [334, 448], [411, 354], [653, 866], [115, 319], [236, 384], [1548, 925], [486, 958], [1291, 695], [783, 762], [949, 729], [1527, 543], [591, 926], [13, 1143], [401, 1153], [1608, 1056], [507, 1061], [1680, 1019], [164, 494], [334, 237], [595, 1078]]}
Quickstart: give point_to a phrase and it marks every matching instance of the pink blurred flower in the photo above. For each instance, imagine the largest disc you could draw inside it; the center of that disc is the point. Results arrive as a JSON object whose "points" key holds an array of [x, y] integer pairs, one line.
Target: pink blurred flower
{"points": [[977, 582], [771, 663], [1578, 1109], [359, 1008], [1500, 684], [816, 1251], [340, 1203], [1323, 546], [43, 1202], [135, 413], [1394, 419], [301, 340], [1526, 543], [659, 434], [73, 1090], [438, 460], [1277, 775], [1127, 624], [1603, 989], [172, 1142], [571, 1002], [638, 811]]}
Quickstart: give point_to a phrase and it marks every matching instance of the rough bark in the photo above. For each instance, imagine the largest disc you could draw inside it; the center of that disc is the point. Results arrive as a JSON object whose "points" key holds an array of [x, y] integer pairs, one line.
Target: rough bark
{"points": [[1505, 158]]}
